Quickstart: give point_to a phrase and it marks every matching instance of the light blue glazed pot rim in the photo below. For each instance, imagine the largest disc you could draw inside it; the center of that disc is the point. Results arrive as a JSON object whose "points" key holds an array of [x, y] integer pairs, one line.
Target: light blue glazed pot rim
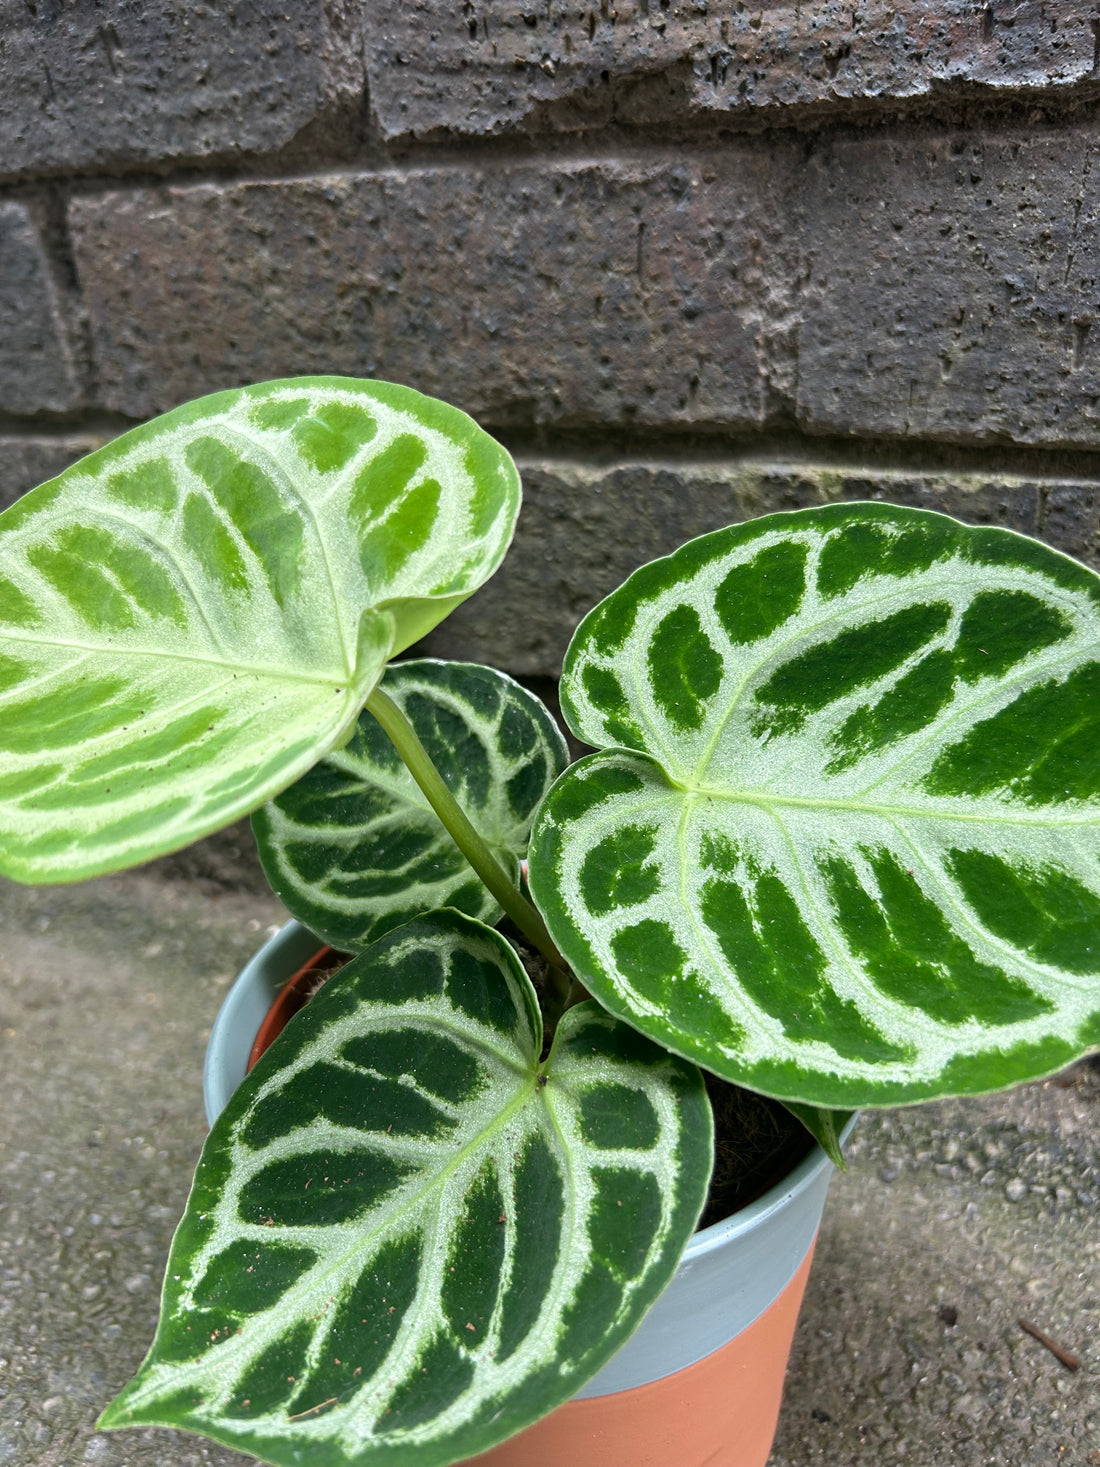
{"points": [[244, 1008], [759, 1213]]}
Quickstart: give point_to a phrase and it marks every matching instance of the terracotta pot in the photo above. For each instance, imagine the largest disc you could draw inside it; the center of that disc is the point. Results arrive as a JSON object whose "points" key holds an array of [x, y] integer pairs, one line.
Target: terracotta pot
{"points": [[700, 1381], [720, 1411], [246, 1008], [293, 997]]}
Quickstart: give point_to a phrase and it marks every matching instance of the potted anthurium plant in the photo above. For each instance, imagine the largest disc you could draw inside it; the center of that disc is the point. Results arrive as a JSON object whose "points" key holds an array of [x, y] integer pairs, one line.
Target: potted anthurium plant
{"points": [[839, 843]]}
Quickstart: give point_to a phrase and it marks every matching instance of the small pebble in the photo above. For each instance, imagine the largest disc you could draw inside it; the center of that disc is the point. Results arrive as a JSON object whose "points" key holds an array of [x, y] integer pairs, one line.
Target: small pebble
{"points": [[1016, 1190]]}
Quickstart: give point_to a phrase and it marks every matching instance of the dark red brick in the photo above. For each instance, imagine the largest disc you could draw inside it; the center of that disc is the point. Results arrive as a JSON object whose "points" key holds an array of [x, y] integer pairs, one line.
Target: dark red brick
{"points": [[953, 287], [37, 367], [1071, 520], [489, 65], [91, 84], [591, 293]]}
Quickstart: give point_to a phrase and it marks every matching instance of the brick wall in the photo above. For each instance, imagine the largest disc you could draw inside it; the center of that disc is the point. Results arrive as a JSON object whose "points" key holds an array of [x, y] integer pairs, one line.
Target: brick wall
{"points": [[691, 260]]}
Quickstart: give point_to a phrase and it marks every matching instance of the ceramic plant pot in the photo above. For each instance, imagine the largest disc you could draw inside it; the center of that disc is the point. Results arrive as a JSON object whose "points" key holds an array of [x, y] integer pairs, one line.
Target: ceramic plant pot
{"points": [[700, 1381], [247, 1006]]}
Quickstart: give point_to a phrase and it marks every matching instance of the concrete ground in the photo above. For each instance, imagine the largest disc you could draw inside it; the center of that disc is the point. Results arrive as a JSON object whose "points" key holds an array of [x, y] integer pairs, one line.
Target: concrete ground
{"points": [[953, 1222]]}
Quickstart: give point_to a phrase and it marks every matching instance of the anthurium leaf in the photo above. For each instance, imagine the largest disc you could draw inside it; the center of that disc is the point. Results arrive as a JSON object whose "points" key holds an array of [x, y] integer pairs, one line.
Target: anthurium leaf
{"points": [[194, 614], [848, 852], [407, 1238], [353, 848]]}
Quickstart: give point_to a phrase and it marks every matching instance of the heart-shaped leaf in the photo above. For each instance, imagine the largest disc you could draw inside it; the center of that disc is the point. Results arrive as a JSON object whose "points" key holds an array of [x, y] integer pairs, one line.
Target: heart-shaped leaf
{"points": [[853, 856], [194, 614], [353, 848], [407, 1238]]}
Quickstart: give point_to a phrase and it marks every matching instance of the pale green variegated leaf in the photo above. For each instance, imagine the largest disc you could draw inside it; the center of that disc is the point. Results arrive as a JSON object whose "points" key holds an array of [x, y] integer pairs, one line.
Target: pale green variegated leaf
{"points": [[853, 854], [353, 848], [407, 1238], [194, 614]]}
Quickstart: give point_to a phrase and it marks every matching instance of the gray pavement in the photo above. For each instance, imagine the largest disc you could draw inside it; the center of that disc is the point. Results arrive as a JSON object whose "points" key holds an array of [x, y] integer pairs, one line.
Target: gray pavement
{"points": [[978, 1212]]}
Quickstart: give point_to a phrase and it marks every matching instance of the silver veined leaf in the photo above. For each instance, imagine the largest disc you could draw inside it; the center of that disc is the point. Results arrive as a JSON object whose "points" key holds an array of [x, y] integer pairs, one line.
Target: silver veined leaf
{"points": [[407, 1237], [848, 850], [353, 848], [191, 616]]}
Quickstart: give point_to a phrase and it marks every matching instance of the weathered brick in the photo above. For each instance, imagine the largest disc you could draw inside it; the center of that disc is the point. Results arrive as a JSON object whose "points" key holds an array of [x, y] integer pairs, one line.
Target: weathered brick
{"points": [[1071, 520], [583, 530], [26, 462], [933, 285], [598, 293], [89, 85], [489, 64], [953, 288], [37, 370]]}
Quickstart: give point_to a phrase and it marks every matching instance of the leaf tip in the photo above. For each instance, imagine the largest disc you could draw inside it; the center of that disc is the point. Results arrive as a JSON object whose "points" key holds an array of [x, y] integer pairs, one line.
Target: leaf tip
{"points": [[113, 1415]]}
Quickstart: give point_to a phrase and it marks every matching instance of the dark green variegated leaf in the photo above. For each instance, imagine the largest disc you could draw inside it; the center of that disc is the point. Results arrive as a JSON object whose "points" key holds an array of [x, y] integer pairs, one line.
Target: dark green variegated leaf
{"points": [[195, 613], [353, 848], [826, 1127], [407, 1239], [849, 852]]}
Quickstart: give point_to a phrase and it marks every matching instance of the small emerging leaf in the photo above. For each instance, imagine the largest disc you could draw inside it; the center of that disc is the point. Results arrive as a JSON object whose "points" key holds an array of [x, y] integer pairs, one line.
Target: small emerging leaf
{"points": [[407, 1239], [825, 1126], [192, 615], [848, 850]]}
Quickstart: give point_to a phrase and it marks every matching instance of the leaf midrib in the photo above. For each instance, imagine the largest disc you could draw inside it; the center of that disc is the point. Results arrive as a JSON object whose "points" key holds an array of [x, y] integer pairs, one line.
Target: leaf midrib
{"points": [[361, 1245], [804, 624], [166, 655], [869, 807]]}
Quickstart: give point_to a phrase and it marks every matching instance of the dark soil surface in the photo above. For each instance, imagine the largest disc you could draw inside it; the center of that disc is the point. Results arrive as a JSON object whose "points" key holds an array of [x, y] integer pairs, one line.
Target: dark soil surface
{"points": [[756, 1143]]}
